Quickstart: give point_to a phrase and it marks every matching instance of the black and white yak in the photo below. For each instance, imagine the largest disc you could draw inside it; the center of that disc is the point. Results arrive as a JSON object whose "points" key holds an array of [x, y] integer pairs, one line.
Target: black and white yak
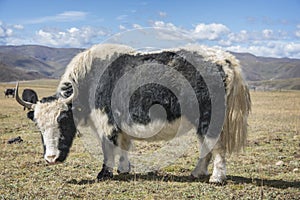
{"points": [[9, 91], [87, 87]]}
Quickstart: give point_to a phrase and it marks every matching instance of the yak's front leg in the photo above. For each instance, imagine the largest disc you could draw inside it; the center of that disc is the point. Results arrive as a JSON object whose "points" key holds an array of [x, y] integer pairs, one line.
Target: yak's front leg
{"points": [[201, 167], [124, 166], [109, 150], [124, 145]]}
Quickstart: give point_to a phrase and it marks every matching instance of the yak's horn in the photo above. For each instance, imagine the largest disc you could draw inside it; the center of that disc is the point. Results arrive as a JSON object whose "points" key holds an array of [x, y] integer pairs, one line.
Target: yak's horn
{"points": [[20, 101]]}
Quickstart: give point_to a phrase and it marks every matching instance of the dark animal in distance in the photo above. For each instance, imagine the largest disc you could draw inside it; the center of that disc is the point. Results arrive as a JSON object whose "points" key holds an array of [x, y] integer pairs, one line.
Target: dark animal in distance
{"points": [[29, 95], [54, 115], [9, 91]]}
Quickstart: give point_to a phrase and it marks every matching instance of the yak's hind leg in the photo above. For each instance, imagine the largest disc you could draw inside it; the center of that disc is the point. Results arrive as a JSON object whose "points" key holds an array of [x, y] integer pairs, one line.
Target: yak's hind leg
{"points": [[203, 162], [219, 171], [211, 148]]}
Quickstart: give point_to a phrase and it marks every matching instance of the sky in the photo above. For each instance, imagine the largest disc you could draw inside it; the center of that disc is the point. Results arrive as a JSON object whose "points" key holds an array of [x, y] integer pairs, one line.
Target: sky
{"points": [[269, 28]]}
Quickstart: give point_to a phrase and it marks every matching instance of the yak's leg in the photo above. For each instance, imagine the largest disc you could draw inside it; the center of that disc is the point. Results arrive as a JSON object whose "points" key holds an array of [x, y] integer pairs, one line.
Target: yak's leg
{"points": [[205, 157], [201, 167], [124, 144], [219, 171], [124, 166], [109, 150]]}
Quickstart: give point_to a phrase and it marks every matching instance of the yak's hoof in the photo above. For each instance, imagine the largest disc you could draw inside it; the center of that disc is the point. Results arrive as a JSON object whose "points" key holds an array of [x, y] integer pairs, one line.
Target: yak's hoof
{"points": [[125, 170], [122, 173], [217, 180], [105, 173]]}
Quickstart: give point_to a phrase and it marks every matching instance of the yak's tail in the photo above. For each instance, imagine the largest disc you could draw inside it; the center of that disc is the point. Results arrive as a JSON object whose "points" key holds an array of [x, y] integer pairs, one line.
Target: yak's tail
{"points": [[234, 133]]}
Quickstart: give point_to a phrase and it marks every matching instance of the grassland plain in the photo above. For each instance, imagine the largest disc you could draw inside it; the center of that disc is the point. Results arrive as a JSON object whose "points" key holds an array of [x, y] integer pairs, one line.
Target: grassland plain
{"points": [[267, 169]]}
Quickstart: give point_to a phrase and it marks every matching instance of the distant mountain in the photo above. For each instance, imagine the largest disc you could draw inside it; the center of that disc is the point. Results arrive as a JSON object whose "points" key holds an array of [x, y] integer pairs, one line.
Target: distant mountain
{"points": [[263, 68], [9, 73], [46, 61], [34, 62]]}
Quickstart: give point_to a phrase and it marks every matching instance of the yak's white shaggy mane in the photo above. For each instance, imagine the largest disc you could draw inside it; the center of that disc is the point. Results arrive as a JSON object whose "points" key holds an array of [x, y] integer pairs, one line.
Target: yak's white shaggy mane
{"points": [[81, 64], [238, 99]]}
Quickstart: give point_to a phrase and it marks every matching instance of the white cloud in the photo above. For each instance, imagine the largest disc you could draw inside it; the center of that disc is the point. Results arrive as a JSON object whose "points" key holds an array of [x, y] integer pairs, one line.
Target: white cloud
{"points": [[200, 32], [61, 17], [136, 26], [253, 37], [2, 32], [161, 24], [242, 36], [162, 14], [265, 42], [18, 26], [297, 32], [168, 31], [121, 27], [72, 37], [267, 33], [8, 34], [210, 31], [270, 49], [5, 31], [121, 17]]}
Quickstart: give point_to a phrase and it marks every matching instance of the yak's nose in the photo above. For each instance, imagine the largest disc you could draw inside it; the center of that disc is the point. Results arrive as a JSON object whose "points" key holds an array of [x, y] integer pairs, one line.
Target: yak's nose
{"points": [[51, 159]]}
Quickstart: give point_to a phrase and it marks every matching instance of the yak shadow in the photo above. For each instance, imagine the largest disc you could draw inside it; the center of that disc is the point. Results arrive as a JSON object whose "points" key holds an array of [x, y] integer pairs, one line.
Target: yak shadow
{"points": [[281, 184]]}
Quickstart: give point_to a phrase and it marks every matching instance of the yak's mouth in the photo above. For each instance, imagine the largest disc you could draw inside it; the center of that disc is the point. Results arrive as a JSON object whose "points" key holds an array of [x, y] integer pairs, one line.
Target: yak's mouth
{"points": [[52, 160]]}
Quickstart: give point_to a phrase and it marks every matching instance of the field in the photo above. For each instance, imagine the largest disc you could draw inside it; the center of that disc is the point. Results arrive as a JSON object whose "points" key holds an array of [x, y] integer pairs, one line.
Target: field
{"points": [[269, 168]]}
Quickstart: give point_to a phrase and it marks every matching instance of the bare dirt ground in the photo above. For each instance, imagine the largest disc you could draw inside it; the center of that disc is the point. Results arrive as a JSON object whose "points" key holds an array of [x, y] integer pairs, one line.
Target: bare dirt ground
{"points": [[269, 168]]}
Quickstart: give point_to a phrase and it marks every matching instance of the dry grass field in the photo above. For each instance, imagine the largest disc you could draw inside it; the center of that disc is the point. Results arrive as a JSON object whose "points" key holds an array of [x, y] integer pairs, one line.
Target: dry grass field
{"points": [[269, 168]]}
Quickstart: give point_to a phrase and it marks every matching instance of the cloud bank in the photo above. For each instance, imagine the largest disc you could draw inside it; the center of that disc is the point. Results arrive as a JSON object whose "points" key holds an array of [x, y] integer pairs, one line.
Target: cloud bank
{"points": [[265, 42]]}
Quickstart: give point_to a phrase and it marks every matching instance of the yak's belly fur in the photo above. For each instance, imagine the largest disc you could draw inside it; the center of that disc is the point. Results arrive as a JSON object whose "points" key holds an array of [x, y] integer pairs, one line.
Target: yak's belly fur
{"points": [[159, 130]]}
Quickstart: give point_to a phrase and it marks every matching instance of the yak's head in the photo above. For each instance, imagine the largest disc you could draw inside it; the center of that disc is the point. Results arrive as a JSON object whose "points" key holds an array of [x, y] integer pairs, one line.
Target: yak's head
{"points": [[53, 116]]}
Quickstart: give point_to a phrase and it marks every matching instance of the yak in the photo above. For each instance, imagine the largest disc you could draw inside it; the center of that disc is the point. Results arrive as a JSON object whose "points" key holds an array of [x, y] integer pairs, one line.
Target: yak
{"points": [[120, 92], [9, 91]]}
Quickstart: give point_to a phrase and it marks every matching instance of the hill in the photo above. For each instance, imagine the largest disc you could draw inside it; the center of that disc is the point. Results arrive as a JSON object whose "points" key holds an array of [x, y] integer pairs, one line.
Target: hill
{"points": [[263, 68], [9, 74], [49, 62], [34, 62], [270, 73]]}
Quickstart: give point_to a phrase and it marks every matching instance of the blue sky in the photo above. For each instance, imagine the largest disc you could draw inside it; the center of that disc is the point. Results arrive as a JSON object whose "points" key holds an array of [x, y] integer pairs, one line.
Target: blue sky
{"points": [[262, 27]]}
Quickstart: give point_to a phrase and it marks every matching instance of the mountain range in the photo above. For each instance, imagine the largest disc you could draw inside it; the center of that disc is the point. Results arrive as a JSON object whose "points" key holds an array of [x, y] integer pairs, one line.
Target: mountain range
{"points": [[28, 62]]}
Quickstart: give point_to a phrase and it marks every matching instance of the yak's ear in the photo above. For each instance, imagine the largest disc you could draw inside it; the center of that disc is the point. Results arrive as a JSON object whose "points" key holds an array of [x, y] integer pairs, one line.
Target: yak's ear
{"points": [[30, 115]]}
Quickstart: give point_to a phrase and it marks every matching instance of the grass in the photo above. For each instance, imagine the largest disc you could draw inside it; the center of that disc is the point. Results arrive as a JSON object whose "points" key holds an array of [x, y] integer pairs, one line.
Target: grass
{"points": [[274, 135]]}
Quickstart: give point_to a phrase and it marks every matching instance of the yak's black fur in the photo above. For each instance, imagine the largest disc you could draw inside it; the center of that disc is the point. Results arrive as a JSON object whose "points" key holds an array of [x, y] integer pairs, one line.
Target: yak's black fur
{"points": [[153, 93]]}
